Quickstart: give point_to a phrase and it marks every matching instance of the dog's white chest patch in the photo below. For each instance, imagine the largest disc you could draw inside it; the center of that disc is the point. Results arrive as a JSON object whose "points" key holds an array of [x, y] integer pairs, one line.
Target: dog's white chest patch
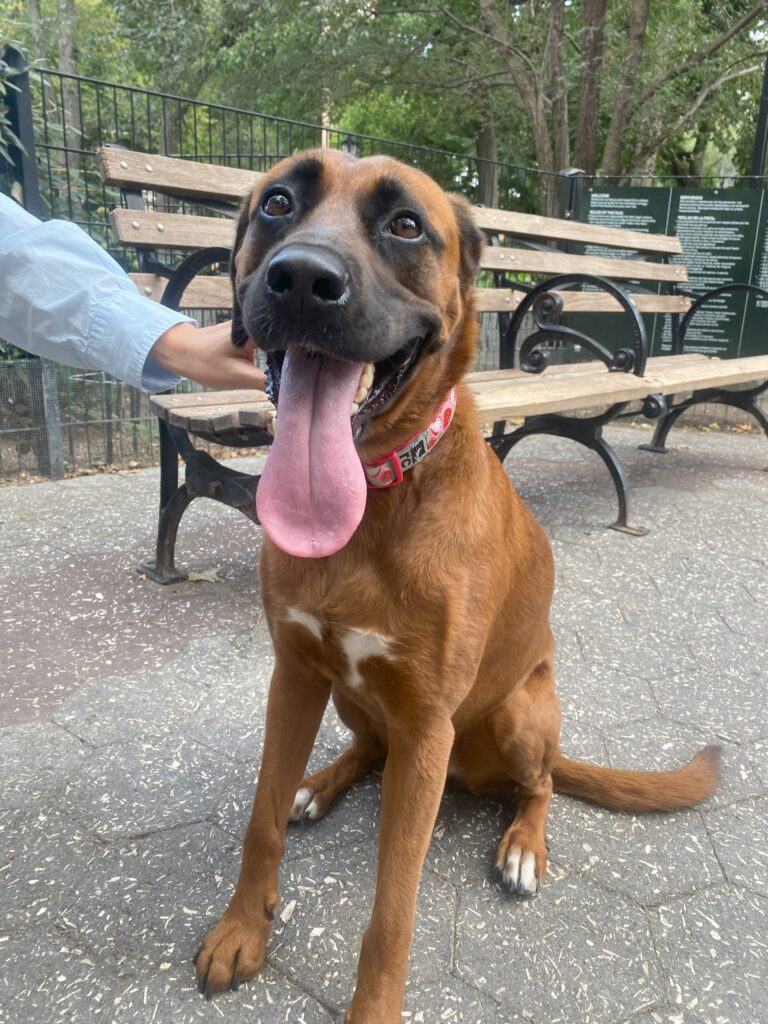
{"points": [[358, 645], [307, 621]]}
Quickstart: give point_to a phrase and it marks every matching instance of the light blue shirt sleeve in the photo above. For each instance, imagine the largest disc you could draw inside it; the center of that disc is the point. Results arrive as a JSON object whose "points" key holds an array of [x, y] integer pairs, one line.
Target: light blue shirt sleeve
{"points": [[62, 296]]}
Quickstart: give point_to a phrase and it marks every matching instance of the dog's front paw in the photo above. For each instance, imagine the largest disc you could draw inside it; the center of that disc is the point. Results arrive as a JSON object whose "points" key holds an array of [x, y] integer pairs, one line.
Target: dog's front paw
{"points": [[521, 865], [232, 952]]}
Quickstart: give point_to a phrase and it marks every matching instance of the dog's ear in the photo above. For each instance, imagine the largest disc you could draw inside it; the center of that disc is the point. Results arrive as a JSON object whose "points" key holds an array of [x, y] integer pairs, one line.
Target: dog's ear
{"points": [[239, 333], [470, 240]]}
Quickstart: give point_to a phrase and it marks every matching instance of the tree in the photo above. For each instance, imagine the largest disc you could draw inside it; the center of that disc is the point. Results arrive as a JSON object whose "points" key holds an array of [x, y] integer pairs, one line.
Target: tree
{"points": [[540, 74], [620, 88]]}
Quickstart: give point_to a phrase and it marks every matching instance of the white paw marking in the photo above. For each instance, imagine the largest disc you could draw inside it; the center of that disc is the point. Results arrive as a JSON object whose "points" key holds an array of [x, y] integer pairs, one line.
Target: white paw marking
{"points": [[305, 805], [313, 811], [308, 621], [300, 801], [519, 872], [359, 645]]}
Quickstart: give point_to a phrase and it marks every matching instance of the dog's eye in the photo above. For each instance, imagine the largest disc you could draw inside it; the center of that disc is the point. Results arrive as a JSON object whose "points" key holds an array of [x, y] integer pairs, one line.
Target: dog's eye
{"points": [[405, 226], [277, 205]]}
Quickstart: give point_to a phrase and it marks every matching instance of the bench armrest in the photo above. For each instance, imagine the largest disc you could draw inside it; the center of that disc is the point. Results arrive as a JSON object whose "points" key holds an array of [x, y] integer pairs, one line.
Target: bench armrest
{"points": [[678, 339], [546, 308], [188, 269]]}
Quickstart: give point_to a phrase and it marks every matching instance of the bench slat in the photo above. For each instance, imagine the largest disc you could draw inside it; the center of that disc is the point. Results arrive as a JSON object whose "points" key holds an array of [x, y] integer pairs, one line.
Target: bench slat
{"points": [[530, 225], [191, 401], [499, 394], [534, 261], [170, 231], [488, 378], [187, 231], [666, 375], [670, 377], [518, 397], [214, 292], [188, 178], [202, 293], [194, 179], [500, 300]]}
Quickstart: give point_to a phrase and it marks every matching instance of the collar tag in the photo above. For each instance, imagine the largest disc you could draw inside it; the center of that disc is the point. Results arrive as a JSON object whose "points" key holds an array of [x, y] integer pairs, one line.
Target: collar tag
{"points": [[387, 470]]}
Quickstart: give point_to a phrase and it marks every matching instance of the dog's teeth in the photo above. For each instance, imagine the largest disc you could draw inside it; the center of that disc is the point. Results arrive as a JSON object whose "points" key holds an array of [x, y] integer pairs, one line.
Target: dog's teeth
{"points": [[272, 424], [366, 378], [355, 408], [361, 394]]}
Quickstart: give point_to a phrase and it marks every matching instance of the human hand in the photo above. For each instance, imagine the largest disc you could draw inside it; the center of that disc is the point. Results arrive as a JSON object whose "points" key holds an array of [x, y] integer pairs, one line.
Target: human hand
{"points": [[207, 355]]}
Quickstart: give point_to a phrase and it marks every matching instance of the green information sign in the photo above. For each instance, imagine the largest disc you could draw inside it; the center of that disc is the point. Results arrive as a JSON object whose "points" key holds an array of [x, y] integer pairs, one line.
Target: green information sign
{"points": [[724, 233]]}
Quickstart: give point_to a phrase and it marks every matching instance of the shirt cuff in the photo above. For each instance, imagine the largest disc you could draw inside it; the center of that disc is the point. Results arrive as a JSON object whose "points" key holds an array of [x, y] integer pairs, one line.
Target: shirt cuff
{"points": [[122, 330]]}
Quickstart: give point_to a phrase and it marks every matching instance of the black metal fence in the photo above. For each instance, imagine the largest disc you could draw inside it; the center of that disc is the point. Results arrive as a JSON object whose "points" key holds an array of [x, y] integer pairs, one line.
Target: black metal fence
{"points": [[72, 116]]}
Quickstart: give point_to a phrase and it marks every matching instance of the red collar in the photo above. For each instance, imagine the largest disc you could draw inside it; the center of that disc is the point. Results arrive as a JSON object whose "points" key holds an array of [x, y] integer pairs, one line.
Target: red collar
{"points": [[387, 470]]}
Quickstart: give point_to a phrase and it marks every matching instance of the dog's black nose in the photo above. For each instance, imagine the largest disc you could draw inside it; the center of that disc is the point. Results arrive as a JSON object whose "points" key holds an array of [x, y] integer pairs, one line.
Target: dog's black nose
{"points": [[306, 277]]}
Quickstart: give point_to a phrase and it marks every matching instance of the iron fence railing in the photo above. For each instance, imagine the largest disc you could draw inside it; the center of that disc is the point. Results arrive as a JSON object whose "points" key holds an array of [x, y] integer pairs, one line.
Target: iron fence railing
{"points": [[73, 116]]}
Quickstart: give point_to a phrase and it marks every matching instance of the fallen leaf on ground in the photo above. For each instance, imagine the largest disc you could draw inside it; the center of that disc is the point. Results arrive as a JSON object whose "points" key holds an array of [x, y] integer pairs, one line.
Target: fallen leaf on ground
{"points": [[205, 576]]}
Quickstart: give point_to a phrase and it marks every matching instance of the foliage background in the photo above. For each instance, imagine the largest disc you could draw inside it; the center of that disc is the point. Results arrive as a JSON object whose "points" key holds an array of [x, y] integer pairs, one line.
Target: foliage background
{"points": [[527, 83]]}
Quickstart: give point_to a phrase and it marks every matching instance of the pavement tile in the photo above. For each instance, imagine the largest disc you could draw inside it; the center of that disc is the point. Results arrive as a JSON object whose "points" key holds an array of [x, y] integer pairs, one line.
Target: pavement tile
{"points": [[738, 834], [37, 760], [646, 857], [132, 790], [667, 1015], [43, 854], [132, 904], [713, 949], [645, 653], [725, 696], [583, 742], [162, 923], [54, 873], [452, 1001], [468, 829], [170, 997], [573, 953], [34, 684], [48, 977], [115, 711], [597, 696]]}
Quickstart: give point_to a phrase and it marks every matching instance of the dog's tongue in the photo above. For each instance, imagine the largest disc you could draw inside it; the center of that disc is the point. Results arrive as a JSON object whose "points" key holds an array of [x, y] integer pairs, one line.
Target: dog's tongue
{"points": [[311, 496]]}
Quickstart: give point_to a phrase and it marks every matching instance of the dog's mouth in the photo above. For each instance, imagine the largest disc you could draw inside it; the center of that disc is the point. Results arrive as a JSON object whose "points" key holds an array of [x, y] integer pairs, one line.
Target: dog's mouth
{"points": [[312, 493], [378, 386]]}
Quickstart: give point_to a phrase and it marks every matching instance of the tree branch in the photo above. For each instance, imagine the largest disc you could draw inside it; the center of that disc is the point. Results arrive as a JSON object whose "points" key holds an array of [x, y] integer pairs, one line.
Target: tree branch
{"points": [[518, 65], [697, 58], [652, 147]]}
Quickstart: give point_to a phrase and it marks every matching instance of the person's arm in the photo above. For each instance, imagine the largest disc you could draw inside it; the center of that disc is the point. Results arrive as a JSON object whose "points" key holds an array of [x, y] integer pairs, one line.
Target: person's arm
{"points": [[62, 296]]}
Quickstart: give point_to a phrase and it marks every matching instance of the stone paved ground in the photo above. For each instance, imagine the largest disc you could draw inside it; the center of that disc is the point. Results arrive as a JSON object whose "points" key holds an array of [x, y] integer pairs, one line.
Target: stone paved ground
{"points": [[132, 720]]}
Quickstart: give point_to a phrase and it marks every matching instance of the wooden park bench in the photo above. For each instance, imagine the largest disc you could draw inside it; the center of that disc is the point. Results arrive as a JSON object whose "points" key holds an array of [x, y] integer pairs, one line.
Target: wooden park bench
{"points": [[522, 249]]}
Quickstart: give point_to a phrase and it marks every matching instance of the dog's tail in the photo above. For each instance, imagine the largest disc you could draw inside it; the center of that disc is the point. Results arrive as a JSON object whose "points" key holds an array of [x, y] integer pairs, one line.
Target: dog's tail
{"points": [[640, 791]]}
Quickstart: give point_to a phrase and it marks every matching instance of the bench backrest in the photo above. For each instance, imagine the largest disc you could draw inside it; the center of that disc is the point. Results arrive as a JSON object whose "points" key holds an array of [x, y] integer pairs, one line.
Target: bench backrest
{"points": [[522, 244]]}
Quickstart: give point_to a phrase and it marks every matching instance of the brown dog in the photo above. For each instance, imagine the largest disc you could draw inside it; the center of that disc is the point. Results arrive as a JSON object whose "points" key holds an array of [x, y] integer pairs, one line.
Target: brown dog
{"points": [[421, 608]]}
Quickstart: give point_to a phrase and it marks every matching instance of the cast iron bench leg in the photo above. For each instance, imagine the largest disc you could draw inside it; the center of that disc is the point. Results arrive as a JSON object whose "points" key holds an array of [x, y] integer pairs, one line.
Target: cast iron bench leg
{"points": [[659, 441], [588, 432], [173, 503], [744, 400], [163, 569]]}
